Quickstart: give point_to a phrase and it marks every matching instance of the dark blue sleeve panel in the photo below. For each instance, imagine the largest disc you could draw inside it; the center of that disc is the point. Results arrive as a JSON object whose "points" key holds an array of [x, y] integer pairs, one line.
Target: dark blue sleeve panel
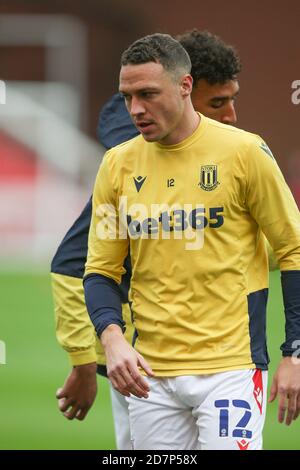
{"points": [[103, 301], [70, 257], [290, 281], [115, 125]]}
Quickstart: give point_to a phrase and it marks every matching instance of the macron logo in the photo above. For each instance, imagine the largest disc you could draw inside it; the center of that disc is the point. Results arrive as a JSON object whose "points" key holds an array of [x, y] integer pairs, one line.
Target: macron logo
{"points": [[243, 445], [139, 181]]}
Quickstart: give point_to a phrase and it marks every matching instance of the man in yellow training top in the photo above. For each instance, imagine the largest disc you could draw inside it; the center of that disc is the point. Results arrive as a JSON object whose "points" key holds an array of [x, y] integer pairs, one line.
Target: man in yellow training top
{"points": [[215, 67], [191, 198]]}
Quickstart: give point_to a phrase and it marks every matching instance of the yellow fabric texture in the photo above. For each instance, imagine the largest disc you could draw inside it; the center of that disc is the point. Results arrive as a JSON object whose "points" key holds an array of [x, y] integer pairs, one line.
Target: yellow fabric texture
{"points": [[74, 330], [190, 305], [273, 263]]}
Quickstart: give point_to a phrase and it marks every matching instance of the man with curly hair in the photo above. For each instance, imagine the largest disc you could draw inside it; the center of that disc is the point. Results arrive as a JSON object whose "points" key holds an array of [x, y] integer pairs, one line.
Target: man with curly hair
{"points": [[215, 66]]}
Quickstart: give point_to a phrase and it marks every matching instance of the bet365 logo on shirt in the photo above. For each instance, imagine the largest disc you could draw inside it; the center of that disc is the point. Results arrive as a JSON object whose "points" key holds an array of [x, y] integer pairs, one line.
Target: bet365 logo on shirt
{"points": [[159, 221], [175, 220]]}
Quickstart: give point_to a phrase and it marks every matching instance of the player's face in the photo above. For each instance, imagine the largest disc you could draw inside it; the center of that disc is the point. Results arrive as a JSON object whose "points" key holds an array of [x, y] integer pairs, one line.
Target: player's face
{"points": [[216, 101], [155, 100]]}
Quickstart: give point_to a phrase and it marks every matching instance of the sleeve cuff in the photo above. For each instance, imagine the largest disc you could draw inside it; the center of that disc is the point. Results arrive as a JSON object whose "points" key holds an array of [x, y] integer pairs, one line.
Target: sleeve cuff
{"points": [[79, 358]]}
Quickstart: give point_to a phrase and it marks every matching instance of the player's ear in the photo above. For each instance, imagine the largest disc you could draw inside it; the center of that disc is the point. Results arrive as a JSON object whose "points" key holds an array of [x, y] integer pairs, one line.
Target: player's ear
{"points": [[186, 85]]}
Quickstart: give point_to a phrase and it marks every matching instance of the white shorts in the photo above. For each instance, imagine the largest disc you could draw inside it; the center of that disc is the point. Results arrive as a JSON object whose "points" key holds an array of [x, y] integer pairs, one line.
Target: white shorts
{"points": [[121, 419], [216, 411]]}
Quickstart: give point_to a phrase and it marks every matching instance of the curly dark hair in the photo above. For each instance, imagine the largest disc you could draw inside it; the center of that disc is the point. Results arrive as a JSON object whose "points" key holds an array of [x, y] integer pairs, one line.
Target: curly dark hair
{"points": [[212, 59], [160, 48]]}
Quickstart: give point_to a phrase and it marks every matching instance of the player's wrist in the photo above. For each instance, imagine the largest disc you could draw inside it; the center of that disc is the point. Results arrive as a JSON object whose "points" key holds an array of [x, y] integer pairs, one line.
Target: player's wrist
{"points": [[86, 369], [110, 332]]}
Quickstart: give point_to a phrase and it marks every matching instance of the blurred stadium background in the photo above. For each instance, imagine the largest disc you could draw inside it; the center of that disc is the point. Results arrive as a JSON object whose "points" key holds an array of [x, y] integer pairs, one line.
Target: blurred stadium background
{"points": [[59, 63]]}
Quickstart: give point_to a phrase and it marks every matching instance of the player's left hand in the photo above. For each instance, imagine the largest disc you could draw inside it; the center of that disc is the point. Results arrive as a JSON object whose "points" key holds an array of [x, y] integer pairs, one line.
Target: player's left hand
{"points": [[286, 384]]}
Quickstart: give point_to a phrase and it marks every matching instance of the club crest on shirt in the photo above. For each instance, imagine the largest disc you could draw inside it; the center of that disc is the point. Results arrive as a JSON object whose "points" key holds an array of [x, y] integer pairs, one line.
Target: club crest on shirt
{"points": [[208, 177]]}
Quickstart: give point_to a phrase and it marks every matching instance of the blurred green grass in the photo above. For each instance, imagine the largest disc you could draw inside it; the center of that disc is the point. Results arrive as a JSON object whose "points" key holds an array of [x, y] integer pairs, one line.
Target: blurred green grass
{"points": [[36, 367]]}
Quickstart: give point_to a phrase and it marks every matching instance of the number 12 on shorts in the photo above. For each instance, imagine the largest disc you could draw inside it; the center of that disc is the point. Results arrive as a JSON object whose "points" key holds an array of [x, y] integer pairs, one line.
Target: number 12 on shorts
{"points": [[240, 428]]}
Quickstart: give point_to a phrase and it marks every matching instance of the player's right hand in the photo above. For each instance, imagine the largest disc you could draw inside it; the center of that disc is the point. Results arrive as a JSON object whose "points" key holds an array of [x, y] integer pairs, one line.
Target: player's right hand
{"points": [[79, 392], [123, 362]]}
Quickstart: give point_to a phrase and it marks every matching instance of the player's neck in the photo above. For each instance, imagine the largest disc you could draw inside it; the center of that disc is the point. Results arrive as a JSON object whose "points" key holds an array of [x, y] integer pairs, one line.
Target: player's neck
{"points": [[188, 124]]}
